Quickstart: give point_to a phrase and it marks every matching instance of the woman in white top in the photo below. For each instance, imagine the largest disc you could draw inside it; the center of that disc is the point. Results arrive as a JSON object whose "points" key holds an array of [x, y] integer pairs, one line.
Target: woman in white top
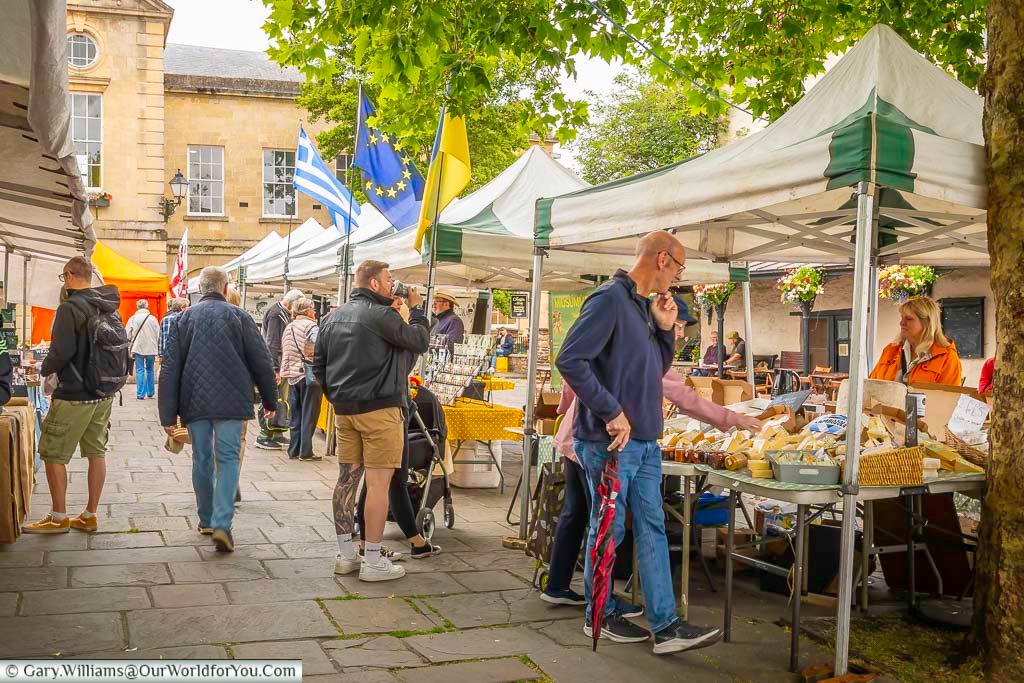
{"points": [[143, 332]]}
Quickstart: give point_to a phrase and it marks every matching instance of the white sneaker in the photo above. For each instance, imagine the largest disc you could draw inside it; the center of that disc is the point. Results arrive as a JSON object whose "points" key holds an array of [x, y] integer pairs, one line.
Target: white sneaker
{"points": [[344, 566], [384, 570]]}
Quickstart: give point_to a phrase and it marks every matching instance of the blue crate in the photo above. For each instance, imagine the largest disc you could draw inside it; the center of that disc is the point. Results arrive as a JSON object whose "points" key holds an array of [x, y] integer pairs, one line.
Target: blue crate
{"points": [[712, 510]]}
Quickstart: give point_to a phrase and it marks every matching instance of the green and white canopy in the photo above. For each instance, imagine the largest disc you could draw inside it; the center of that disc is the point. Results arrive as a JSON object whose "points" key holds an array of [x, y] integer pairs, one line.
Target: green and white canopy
{"points": [[883, 114], [485, 240]]}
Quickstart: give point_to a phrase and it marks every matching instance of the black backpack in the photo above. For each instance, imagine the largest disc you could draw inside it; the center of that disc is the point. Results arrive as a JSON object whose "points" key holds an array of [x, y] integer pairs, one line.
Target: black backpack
{"points": [[106, 367]]}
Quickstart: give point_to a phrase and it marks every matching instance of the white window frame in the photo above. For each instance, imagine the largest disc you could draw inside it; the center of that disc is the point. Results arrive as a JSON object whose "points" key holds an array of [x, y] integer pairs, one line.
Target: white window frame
{"points": [[96, 46], [84, 173], [339, 173], [273, 182], [195, 178]]}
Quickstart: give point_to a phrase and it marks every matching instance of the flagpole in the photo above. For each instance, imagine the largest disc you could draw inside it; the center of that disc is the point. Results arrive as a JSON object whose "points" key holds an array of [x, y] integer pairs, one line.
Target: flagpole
{"points": [[348, 220]]}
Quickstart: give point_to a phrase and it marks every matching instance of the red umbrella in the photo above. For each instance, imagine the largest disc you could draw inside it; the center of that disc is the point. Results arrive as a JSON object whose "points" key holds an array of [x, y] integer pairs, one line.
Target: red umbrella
{"points": [[602, 555]]}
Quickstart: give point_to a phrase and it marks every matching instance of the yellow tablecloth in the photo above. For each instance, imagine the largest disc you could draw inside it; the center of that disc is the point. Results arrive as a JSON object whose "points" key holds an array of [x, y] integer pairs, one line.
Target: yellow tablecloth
{"points": [[495, 384], [478, 421]]}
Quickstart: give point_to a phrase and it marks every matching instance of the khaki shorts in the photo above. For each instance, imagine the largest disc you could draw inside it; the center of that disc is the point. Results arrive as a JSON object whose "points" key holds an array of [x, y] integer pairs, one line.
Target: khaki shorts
{"points": [[73, 424], [374, 439]]}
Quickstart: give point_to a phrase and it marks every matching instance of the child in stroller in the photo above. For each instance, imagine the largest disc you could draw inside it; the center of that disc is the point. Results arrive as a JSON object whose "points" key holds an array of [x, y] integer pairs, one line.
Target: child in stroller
{"points": [[415, 489]]}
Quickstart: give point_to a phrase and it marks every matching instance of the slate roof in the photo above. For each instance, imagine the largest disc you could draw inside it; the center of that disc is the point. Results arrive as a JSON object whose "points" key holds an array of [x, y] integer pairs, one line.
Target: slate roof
{"points": [[192, 67]]}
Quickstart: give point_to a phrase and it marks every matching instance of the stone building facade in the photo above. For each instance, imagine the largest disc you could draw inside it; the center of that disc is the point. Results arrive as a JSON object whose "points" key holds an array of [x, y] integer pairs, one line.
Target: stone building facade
{"points": [[143, 109]]}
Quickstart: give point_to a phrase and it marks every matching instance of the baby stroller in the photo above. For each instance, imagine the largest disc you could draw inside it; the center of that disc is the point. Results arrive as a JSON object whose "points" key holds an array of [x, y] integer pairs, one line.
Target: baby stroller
{"points": [[427, 435]]}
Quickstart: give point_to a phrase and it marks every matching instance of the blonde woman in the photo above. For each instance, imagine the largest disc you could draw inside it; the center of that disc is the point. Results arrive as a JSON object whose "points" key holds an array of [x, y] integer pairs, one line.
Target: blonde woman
{"points": [[304, 393], [921, 353]]}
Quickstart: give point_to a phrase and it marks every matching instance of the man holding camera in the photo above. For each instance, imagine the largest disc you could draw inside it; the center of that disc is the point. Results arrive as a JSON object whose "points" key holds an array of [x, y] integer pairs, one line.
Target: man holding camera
{"points": [[363, 358]]}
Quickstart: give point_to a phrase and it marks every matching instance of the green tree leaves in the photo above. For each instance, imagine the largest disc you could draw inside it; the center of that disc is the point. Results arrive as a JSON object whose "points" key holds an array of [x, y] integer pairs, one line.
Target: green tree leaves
{"points": [[640, 126]]}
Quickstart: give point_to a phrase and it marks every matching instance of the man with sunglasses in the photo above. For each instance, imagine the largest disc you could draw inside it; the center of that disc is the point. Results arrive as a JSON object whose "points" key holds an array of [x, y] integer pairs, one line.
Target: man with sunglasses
{"points": [[614, 358]]}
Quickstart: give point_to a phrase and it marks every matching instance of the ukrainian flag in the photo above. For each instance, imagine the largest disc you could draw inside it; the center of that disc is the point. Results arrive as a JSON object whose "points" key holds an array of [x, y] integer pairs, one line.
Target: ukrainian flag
{"points": [[448, 174]]}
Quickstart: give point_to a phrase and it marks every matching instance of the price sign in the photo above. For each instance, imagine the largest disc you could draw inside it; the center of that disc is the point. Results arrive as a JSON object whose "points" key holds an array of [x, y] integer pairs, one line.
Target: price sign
{"points": [[519, 303]]}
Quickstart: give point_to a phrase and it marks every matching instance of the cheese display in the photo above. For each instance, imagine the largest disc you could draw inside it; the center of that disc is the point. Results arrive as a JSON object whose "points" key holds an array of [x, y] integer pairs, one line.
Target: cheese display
{"points": [[815, 453]]}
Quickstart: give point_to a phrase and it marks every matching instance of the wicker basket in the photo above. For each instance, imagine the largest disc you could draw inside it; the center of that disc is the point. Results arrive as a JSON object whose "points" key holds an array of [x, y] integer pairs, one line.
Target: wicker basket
{"points": [[969, 452], [897, 467]]}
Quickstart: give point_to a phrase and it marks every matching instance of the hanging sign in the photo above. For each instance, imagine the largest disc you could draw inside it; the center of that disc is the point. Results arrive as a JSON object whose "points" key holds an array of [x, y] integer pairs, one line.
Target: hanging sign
{"points": [[519, 305]]}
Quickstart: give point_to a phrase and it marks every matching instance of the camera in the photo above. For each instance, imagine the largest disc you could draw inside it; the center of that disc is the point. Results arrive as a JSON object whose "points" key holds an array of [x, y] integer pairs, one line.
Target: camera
{"points": [[400, 289]]}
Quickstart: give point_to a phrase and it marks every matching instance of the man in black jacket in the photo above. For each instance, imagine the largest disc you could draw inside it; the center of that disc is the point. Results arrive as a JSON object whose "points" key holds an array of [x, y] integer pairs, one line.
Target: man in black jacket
{"points": [[213, 356], [276, 318], [77, 417], [363, 357]]}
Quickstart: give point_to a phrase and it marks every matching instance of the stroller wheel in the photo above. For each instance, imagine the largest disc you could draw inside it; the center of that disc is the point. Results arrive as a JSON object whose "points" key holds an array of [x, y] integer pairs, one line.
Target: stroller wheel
{"points": [[425, 523], [449, 516]]}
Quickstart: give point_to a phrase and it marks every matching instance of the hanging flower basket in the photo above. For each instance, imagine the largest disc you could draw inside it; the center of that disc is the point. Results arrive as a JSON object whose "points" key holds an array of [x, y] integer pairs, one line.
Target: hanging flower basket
{"points": [[801, 286], [899, 283], [712, 297], [100, 199]]}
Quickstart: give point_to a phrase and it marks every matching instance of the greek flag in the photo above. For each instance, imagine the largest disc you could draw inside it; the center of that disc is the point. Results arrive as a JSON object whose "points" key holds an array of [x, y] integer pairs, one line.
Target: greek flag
{"points": [[314, 178]]}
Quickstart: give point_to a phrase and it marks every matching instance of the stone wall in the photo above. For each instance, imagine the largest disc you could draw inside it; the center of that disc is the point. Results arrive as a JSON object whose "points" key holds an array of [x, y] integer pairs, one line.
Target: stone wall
{"points": [[776, 329], [244, 126], [129, 75]]}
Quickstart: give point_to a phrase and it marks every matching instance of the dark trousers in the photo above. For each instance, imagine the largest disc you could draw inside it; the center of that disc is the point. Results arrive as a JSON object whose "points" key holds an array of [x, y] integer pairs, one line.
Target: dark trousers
{"points": [[571, 531], [304, 400], [398, 498]]}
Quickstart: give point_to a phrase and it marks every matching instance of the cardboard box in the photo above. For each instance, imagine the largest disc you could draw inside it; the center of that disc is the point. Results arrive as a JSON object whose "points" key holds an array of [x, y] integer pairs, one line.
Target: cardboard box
{"points": [[545, 427], [725, 392], [703, 385], [940, 402], [546, 407]]}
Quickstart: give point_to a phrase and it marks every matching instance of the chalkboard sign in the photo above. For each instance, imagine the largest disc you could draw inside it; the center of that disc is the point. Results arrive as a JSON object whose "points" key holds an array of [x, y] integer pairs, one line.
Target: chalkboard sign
{"points": [[518, 303], [794, 400], [963, 321]]}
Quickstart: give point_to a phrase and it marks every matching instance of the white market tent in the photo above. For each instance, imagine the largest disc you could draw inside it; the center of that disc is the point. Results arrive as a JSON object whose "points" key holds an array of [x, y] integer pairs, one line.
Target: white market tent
{"points": [[44, 216], [882, 161], [315, 261], [263, 246], [485, 240]]}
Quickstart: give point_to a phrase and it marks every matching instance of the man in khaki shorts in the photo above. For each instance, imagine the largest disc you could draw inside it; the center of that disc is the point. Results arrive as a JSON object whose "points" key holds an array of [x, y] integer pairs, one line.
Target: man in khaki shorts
{"points": [[78, 418], [363, 358]]}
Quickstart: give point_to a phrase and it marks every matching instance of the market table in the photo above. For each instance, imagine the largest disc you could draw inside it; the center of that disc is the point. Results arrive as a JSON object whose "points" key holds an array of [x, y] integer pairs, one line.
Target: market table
{"points": [[804, 496], [472, 420], [492, 384]]}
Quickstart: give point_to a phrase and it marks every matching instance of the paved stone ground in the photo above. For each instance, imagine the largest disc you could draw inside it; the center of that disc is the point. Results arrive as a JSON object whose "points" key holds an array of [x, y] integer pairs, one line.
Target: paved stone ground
{"points": [[148, 585]]}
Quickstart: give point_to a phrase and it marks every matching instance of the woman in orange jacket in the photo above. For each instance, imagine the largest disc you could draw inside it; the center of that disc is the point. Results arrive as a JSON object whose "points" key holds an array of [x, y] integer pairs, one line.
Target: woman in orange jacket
{"points": [[921, 353]]}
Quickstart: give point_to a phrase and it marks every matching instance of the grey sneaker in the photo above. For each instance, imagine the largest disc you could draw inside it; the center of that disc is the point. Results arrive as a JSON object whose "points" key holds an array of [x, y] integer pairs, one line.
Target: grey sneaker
{"points": [[384, 570], [618, 629], [680, 636], [344, 566]]}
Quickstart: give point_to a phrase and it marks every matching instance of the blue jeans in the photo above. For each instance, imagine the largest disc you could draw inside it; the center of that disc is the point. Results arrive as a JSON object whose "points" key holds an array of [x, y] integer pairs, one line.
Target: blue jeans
{"points": [[640, 479], [216, 446], [145, 385]]}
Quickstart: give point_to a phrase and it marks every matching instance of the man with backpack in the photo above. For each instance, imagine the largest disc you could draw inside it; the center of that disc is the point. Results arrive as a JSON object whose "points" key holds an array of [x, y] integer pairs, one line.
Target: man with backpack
{"points": [[89, 355]]}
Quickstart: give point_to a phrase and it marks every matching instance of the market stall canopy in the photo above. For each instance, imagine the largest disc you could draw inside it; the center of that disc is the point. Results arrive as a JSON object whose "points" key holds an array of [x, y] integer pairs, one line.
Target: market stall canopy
{"points": [[317, 258], [134, 281], [883, 114], [485, 240], [261, 247], [43, 201]]}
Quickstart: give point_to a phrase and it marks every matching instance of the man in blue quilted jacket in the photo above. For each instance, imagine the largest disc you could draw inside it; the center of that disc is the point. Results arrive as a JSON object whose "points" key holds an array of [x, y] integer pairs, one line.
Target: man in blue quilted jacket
{"points": [[212, 358]]}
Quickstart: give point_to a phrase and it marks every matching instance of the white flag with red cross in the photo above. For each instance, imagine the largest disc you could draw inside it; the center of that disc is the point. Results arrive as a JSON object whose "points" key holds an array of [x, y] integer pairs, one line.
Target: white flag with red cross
{"points": [[179, 278]]}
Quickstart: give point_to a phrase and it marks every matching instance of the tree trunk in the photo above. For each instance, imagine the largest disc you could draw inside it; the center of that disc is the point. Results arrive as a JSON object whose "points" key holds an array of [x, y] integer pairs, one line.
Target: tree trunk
{"points": [[999, 597]]}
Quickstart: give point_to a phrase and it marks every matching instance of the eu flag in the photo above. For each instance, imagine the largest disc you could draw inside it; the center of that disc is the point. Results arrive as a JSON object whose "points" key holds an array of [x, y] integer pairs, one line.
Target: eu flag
{"points": [[390, 180]]}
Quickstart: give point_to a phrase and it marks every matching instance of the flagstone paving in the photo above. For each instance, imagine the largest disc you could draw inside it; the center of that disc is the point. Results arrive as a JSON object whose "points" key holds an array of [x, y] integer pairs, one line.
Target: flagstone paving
{"points": [[148, 585]]}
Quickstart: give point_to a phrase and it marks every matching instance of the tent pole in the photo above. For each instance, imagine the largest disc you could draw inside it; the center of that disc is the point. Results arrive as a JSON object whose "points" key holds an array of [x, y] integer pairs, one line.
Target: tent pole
{"points": [[858, 346], [347, 269], [748, 332], [25, 311], [873, 295], [531, 390]]}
